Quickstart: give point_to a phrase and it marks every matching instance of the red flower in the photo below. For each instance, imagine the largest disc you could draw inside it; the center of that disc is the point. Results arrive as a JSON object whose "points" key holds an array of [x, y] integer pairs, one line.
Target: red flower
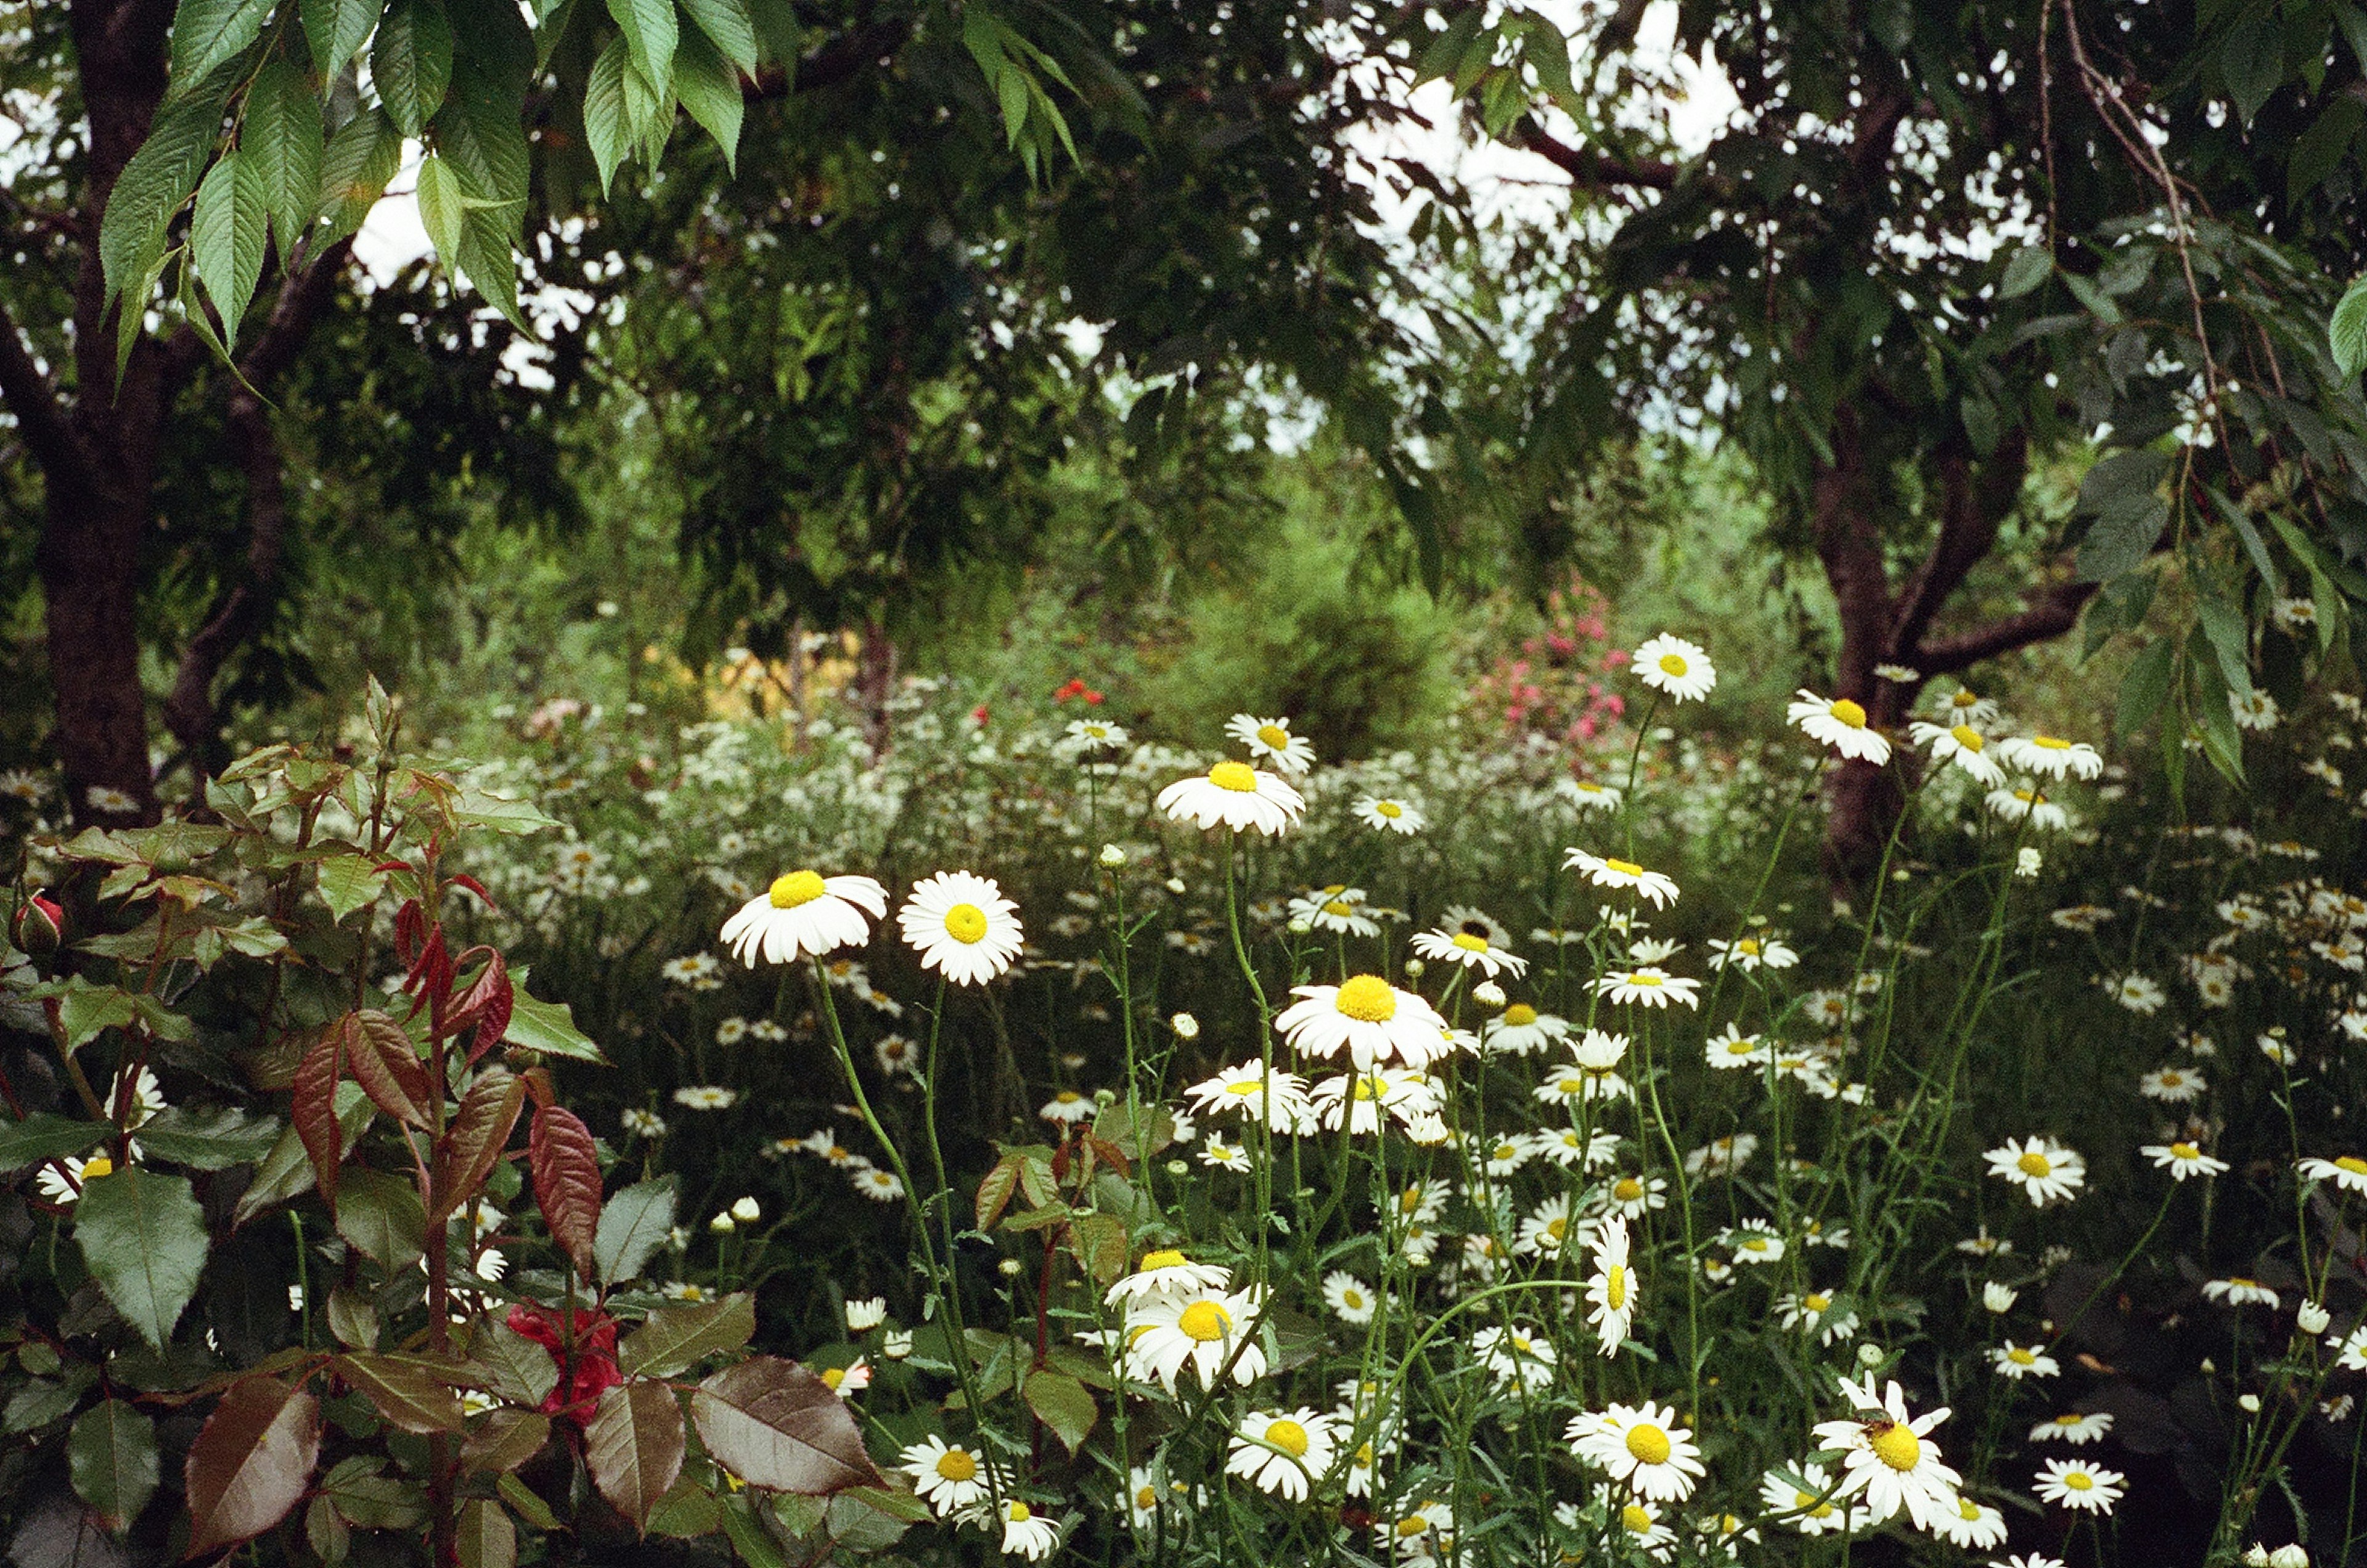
{"points": [[596, 1356], [1092, 698]]}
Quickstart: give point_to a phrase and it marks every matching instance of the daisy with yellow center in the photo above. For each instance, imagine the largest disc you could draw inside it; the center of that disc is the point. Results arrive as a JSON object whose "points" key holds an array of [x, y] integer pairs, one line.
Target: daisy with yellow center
{"points": [[2050, 756], [1271, 741], [2183, 1159], [1840, 723], [1676, 669], [1657, 888], [1975, 1526], [2347, 1172], [1641, 1445], [1749, 953], [948, 1478], [1167, 1271], [1026, 1533], [1249, 1090], [1803, 1498], [1888, 1458], [962, 927], [1471, 945], [1387, 814], [2016, 1362], [1648, 986], [2027, 801], [1281, 1453], [2239, 1290], [2076, 1427], [2082, 1487], [1199, 1331], [805, 912], [1349, 1299], [1611, 1290], [1234, 796], [1588, 796], [1962, 744], [2042, 1168], [1373, 1020], [1520, 1029]]}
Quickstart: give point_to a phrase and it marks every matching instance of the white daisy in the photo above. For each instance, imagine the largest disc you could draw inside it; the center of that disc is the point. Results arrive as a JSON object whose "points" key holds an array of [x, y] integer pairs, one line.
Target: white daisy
{"points": [[1641, 1445], [1547, 1230], [1067, 1108], [2013, 805], [1889, 1457], [2019, 1362], [2051, 756], [1249, 1090], [1271, 738], [1840, 724], [1349, 1299], [1633, 1197], [1235, 796], [1387, 813], [2078, 1486], [2043, 1168], [948, 1478], [2239, 1291], [1167, 1271], [1646, 986], [1656, 887], [1521, 1029], [1677, 668], [1973, 1526], [1959, 744], [1026, 1533], [705, 1097], [2135, 992], [1804, 1499], [2182, 1160], [1469, 948], [1201, 1330], [1372, 1019], [880, 1186], [1611, 1290], [962, 926], [1516, 1357], [1963, 706], [1336, 909], [805, 912], [1748, 952], [1588, 796], [2345, 1171], [2078, 1427], [1281, 1453]]}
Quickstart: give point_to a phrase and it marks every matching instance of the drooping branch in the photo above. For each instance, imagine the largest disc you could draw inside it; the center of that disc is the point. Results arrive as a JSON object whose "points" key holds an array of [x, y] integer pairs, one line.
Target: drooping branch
{"points": [[1972, 509], [41, 418], [1590, 168], [2056, 611]]}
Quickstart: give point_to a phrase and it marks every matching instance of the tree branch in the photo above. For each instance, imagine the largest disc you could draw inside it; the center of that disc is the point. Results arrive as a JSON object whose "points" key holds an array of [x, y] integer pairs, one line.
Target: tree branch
{"points": [[42, 420], [1848, 544], [2053, 615], [293, 314], [1972, 509], [1591, 169], [835, 61]]}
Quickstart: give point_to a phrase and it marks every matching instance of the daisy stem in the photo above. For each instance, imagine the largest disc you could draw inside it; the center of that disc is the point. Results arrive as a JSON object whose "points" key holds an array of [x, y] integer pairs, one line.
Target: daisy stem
{"points": [[1265, 1073]]}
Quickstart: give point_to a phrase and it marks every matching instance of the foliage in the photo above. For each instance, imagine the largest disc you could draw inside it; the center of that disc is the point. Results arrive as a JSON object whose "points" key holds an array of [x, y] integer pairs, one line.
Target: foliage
{"points": [[309, 1247]]}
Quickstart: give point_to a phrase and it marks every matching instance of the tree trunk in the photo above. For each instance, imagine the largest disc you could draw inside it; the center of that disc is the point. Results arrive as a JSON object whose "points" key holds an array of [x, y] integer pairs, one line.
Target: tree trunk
{"points": [[89, 578]]}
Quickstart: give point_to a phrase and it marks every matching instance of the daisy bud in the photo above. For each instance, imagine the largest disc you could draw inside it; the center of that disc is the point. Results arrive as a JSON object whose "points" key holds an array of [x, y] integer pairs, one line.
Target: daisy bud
{"points": [[896, 1344], [2258, 1557], [2210, 1367], [39, 925], [1869, 1355], [746, 1211], [2027, 862], [2288, 1556], [1186, 1026], [1299, 925], [2312, 1318], [1112, 856], [1489, 994], [2250, 1403], [1999, 1298], [1175, 886], [1104, 1097], [723, 1223], [1010, 1267], [1177, 1167], [1413, 968]]}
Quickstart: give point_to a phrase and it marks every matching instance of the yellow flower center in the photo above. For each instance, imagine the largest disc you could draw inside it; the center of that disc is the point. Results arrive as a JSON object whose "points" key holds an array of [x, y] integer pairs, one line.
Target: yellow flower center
{"points": [[2049, 743], [965, 922], [955, 1464], [1748, 946], [1647, 1443], [1020, 1512], [1673, 664], [1967, 1510], [1815, 1302], [1895, 1445], [1556, 1228], [1166, 1258], [1627, 1190], [797, 887], [1389, 808], [1145, 1497], [97, 1166], [2020, 1357], [1625, 867], [1409, 1200], [1965, 736], [1245, 1087], [2033, 1164], [1369, 1087], [1964, 699], [1067, 1097], [1409, 1528], [1520, 1015], [1239, 777], [1273, 735], [1353, 1300], [2079, 1480], [1847, 712], [1634, 1519], [1338, 908], [1614, 1288], [833, 1376], [1640, 978], [1507, 1151], [1754, 1244], [1470, 942], [1367, 999], [1204, 1322], [2028, 796], [2070, 1420], [2241, 1283], [1808, 1500], [1288, 1435], [2353, 1164]]}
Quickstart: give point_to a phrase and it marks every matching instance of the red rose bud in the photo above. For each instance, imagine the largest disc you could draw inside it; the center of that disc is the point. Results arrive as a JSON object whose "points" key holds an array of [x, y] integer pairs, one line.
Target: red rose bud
{"points": [[40, 925]]}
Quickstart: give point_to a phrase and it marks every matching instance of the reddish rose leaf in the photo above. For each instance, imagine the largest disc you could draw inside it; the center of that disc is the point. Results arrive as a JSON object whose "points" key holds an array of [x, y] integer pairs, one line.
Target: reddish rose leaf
{"points": [[409, 1392], [487, 1004], [634, 1445], [410, 931], [250, 1464], [504, 1440], [776, 1424], [566, 1169], [473, 886], [383, 1060], [473, 1142], [313, 1109]]}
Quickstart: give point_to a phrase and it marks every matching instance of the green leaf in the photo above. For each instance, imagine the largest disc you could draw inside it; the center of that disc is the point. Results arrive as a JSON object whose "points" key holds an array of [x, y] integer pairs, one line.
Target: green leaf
{"points": [[361, 158], [776, 1426], [348, 882], [547, 1026], [227, 236], [208, 32], [2254, 546], [144, 1237], [2348, 333], [2146, 686], [214, 1139], [248, 1469], [527, 1501], [287, 1171], [2030, 266], [41, 1137], [2320, 149], [487, 258], [678, 1338], [1063, 1404], [709, 90], [408, 1392], [514, 1367], [634, 1445], [2223, 625], [411, 62], [503, 1439], [729, 28], [85, 1011], [650, 34], [2094, 299], [282, 138], [336, 30], [604, 120], [2252, 59], [2222, 741], [633, 1225], [439, 208], [486, 1536], [111, 1457], [381, 1216]]}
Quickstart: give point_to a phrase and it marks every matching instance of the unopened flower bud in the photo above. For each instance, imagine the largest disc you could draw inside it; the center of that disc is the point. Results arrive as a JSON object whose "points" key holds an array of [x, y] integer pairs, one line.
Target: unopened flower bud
{"points": [[746, 1211], [1010, 1267], [1999, 1298], [2312, 1318], [38, 926], [1869, 1355], [2250, 1403], [2027, 862], [1413, 968], [1299, 925], [1112, 856], [1186, 1026], [1489, 994], [1177, 1167], [2289, 1555], [723, 1223], [1175, 885]]}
